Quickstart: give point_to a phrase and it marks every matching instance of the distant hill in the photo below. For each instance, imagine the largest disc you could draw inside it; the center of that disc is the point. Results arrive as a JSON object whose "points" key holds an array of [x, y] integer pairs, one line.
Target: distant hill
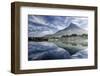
{"points": [[71, 29]]}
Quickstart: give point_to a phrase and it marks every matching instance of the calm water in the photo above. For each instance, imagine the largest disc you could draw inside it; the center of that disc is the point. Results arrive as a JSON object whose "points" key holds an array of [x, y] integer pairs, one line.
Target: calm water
{"points": [[56, 50]]}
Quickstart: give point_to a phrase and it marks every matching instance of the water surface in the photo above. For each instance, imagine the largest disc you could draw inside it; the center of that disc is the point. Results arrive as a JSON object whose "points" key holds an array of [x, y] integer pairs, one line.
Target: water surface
{"points": [[56, 50]]}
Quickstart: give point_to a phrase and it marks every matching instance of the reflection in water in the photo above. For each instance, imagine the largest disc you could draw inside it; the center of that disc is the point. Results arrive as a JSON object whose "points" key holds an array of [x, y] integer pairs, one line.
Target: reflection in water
{"points": [[55, 50]]}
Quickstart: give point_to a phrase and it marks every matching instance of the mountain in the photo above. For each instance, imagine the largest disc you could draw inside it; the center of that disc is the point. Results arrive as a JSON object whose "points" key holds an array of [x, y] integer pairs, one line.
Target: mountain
{"points": [[71, 29]]}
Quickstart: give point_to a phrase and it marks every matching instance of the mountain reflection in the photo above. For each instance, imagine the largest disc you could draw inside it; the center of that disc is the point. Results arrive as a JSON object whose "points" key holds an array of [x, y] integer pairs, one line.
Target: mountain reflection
{"points": [[50, 50]]}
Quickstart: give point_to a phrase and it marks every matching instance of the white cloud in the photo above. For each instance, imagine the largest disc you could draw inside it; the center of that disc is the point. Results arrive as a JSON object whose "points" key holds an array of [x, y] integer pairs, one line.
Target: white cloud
{"points": [[38, 19]]}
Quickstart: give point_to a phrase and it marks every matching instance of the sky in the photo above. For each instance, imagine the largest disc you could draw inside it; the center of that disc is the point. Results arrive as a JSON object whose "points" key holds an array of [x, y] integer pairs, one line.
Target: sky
{"points": [[41, 25]]}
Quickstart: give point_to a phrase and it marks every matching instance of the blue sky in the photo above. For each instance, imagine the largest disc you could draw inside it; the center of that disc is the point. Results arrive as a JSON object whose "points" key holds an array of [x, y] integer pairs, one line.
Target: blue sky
{"points": [[40, 25]]}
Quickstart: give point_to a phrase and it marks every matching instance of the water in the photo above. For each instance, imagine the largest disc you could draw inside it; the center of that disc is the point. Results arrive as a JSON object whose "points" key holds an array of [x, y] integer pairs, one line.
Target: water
{"points": [[55, 50]]}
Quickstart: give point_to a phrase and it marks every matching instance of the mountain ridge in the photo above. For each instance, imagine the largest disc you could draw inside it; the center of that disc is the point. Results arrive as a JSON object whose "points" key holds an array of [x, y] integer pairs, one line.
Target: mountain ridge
{"points": [[71, 29]]}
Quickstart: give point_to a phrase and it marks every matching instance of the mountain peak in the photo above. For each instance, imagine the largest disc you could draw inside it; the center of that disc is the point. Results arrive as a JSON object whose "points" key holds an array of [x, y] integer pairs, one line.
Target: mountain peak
{"points": [[73, 26], [71, 29]]}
